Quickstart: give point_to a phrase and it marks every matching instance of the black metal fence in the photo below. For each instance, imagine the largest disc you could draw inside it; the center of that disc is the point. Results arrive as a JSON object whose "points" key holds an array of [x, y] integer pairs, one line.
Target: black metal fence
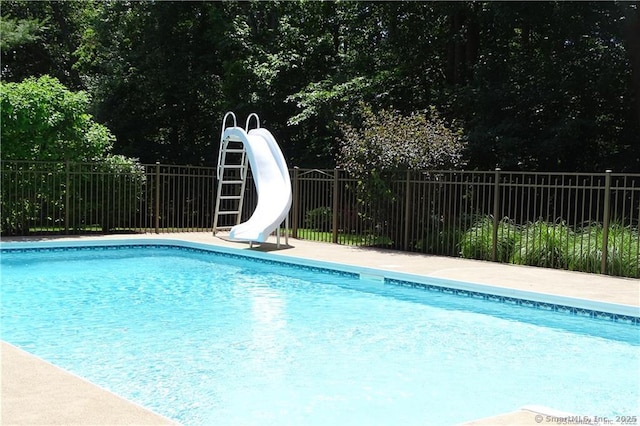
{"points": [[586, 222]]}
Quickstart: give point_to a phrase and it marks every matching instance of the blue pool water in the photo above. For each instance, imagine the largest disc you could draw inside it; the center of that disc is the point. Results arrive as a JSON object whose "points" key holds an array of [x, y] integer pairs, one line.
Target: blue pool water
{"points": [[214, 339]]}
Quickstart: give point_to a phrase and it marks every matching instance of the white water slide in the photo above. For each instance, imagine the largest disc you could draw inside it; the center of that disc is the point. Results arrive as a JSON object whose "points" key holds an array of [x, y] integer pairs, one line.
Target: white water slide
{"points": [[270, 176]]}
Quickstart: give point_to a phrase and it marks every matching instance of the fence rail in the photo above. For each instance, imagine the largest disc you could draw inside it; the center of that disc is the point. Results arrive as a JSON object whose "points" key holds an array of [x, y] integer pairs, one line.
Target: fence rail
{"points": [[586, 222]]}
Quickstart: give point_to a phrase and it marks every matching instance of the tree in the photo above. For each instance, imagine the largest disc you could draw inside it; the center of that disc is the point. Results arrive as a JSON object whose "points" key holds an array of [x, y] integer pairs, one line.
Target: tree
{"points": [[277, 49], [41, 38], [155, 71], [631, 13], [551, 89], [18, 32], [538, 86]]}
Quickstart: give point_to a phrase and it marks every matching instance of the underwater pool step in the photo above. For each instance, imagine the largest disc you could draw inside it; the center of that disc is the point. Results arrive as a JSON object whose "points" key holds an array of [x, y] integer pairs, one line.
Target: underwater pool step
{"points": [[371, 277]]}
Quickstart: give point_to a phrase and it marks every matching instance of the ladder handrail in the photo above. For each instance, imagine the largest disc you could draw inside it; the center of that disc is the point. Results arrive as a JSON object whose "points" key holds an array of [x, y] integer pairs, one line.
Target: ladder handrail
{"points": [[224, 122], [253, 114]]}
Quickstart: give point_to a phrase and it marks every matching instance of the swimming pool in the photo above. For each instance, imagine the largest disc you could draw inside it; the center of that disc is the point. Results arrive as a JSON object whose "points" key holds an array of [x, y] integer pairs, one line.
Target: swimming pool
{"points": [[208, 338]]}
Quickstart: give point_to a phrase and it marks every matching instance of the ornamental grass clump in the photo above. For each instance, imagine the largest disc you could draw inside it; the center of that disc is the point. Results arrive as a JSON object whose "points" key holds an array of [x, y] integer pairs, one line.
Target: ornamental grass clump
{"points": [[623, 255], [623, 250], [477, 241], [556, 245], [584, 252], [543, 244]]}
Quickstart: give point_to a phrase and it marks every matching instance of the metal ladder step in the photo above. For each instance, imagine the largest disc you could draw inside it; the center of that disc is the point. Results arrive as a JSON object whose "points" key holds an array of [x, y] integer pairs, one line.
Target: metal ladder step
{"points": [[228, 212], [231, 182], [231, 197]]}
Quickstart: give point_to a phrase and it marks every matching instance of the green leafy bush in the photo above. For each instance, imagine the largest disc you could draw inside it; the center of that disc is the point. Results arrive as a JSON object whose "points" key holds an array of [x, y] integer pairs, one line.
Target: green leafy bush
{"points": [[441, 240], [44, 121], [320, 219], [107, 193]]}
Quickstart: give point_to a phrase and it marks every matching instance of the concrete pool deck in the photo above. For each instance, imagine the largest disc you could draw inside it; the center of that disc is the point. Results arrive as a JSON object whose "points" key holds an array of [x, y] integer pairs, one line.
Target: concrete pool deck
{"points": [[36, 392]]}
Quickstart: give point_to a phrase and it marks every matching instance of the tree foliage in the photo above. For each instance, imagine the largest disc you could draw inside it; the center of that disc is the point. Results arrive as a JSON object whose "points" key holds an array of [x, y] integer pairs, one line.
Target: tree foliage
{"points": [[541, 97], [42, 39], [18, 32], [42, 120], [533, 86], [155, 71]]}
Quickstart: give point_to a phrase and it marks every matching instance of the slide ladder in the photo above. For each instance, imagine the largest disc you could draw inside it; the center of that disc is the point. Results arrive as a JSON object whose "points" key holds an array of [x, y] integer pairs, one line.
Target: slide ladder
{"points": [[232, 179]]}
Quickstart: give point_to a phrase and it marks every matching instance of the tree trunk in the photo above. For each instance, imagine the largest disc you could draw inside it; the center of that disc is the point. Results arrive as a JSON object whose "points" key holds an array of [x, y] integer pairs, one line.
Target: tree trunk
{"points": [[462, 51], [632, 41]]}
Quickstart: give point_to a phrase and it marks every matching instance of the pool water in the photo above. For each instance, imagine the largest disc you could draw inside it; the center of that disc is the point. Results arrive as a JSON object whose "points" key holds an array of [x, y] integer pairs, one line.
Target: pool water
{"points": [[214, 339]]}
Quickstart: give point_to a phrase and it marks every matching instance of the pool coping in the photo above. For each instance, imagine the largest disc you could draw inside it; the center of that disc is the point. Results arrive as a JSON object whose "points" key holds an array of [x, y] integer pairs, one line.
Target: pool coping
{"points": [[523, 415], [36, 392]]}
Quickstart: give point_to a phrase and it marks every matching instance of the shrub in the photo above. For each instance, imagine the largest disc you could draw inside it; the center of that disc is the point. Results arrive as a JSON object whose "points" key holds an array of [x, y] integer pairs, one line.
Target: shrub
{"points": [[388, 140], [440, 240], [584, 252], [56, 195], [116, 186], [623, 256], [556, 246], [320, 219], [42, 120]]}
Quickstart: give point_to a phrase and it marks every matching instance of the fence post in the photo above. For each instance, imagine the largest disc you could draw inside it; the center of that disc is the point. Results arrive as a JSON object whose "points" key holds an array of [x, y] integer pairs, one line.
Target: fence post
{"points": [[496, 214], [336, 198], [605, 221], [296, 202], [407, 213], [67, 197], [157, 196]]}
